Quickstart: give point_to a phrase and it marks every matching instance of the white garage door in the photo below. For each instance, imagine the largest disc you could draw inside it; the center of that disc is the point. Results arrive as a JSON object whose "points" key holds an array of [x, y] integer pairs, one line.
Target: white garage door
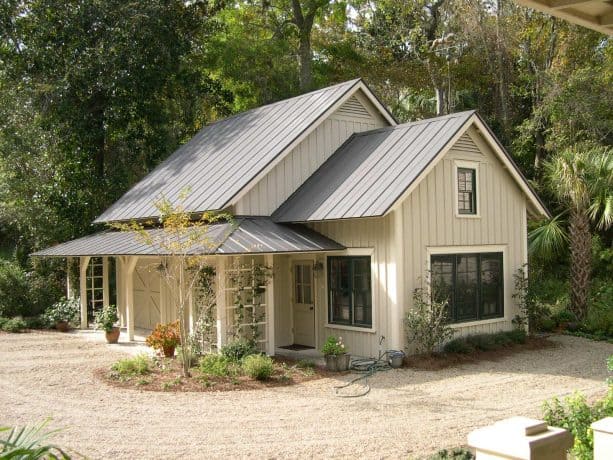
{"points": [[146, 296]]}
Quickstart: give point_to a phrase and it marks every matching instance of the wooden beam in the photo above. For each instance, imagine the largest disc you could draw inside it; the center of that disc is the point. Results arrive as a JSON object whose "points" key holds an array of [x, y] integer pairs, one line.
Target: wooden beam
{"points": [[397, 294], [606, 19], [270, 307], [84, 262], [69, 280]]}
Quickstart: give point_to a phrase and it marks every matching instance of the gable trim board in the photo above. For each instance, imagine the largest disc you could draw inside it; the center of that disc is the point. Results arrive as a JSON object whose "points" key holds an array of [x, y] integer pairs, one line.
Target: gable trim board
{"points": [[364, 191], [255, 152]]}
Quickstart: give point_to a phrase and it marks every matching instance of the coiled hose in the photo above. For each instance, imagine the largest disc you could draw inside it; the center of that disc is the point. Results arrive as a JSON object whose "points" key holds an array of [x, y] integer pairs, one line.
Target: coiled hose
{"points": [[366, 367]]}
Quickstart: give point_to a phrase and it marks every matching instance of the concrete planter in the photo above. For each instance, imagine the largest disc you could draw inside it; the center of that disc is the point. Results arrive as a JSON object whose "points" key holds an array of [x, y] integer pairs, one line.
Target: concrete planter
{"points": [[112, 336], [337, 363]]}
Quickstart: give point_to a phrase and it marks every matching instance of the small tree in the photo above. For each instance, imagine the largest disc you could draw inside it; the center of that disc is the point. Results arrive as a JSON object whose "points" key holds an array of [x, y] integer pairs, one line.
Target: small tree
{"points": [[428, 322], [182, 242]]}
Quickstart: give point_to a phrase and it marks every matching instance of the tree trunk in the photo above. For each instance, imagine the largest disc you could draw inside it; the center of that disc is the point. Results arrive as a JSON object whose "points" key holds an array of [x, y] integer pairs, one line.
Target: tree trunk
{"points": [[305, 57], [580, 262], [441, 101]]}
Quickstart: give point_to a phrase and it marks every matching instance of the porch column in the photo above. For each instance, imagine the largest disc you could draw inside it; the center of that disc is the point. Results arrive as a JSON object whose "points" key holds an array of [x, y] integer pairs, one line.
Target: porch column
{"points": [[220, 301], [121, 303], [83, 264], [105, 281], [69, 280], [129, 265], [397, 295], [164, 293], [270, 307]]}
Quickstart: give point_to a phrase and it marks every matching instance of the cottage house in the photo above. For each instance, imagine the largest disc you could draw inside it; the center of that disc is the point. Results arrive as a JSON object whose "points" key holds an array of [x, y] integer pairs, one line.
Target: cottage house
{"points": [[349, 210]]}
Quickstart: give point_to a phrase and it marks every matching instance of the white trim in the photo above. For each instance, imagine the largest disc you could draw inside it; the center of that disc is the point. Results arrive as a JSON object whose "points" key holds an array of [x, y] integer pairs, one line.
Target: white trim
{"points": [[481, 322], [467, 165], [333, 108], [295, 260], [353, 252], [478, 249]]}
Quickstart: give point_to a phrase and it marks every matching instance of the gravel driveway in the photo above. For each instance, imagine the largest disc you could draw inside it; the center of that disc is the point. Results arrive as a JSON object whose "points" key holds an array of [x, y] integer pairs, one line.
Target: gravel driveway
{"points": [[407, 413]]}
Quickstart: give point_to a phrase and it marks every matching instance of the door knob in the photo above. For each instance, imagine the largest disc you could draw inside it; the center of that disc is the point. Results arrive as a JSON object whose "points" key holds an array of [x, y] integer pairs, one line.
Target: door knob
{"points": [[310, 308]]}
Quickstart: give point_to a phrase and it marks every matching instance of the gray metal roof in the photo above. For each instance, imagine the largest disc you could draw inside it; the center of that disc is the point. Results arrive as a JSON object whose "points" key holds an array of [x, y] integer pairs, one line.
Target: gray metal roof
{"points": [[371, 171], [223, 157], [244, 236]]}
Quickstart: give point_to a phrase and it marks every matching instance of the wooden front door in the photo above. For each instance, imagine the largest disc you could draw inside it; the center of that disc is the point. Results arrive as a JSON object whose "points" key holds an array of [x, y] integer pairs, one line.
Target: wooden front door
{"points": [[304, 303]]}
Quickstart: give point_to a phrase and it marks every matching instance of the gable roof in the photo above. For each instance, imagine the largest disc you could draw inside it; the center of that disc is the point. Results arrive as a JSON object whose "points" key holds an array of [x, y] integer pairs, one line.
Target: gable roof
{"points": [[373, 170], [224, 158], [245, 236]]}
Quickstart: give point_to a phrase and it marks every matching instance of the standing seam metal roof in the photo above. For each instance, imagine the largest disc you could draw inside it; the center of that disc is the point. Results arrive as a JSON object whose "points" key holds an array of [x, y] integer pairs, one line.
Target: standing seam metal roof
{"points": [[371, 171], [245, 236], [223, 157]]}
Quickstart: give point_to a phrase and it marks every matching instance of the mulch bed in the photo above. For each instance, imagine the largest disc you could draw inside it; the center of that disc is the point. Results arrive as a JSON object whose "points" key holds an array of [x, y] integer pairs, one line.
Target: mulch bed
{"points": [[445, 360], [167, 376]]}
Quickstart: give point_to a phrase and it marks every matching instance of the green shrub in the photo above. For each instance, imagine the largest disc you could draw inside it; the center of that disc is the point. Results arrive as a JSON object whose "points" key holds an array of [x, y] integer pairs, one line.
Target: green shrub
{"points": [[333, 346], [564, 316], [259, 367], [64, 310], [305, 364], [37, 322], [516, 335], [547, 325], [427, 323], [482, 342], [29, 442], [237, 350], [502, 339], [459, 345], [14, 325], [14, 290], [576, 415], [132, 367], [3, 320], [217, 365]]}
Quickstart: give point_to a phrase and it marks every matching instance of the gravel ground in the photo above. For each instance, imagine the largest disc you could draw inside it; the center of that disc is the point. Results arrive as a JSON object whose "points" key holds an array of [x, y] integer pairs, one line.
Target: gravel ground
{"points": [[406, 414]]}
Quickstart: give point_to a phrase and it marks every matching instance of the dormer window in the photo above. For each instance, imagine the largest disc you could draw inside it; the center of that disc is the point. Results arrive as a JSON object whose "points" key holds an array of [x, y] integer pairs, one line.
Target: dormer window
{"points": [[467, 184]]}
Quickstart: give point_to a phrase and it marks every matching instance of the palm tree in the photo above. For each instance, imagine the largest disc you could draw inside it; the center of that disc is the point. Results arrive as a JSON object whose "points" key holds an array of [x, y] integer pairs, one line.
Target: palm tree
{"points": [[582, 180]]}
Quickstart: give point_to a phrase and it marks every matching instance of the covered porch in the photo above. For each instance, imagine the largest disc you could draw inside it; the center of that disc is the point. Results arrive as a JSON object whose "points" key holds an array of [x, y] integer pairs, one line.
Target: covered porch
{"points": [[265, 284]]}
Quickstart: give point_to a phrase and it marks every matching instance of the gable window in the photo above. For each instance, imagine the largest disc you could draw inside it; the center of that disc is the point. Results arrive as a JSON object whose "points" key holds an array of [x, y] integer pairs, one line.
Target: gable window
{"points": [[467, 190], [471, 283], [349, 291]]}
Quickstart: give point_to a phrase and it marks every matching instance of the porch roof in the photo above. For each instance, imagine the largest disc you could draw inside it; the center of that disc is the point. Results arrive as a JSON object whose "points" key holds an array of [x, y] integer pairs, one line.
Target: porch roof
{"points": [[249, 235]]}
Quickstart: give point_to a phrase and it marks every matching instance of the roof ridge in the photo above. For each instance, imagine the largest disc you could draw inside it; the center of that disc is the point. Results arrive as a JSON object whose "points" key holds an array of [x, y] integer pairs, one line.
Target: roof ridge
{"points": [[281, 101], [411, 124]]}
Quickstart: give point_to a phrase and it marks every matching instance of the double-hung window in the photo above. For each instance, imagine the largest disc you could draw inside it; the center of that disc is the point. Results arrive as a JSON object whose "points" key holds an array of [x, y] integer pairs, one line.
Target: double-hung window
{"points": [[472, 284], [350, 291], [467, 190]]}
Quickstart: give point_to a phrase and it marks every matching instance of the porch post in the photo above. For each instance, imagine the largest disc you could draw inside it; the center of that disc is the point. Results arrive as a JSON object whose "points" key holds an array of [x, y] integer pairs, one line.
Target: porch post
{"points": [[398, 297], [69, 280], [121, 302], [129, 266], [270, 307], [105, 281], [220, 301], [84, 263], [163, 296]]}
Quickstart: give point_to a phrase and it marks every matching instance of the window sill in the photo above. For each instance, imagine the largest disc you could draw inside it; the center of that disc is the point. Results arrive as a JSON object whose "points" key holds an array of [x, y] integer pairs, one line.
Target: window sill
{"points": [[369, 330], [480, 322], [467, 216]]}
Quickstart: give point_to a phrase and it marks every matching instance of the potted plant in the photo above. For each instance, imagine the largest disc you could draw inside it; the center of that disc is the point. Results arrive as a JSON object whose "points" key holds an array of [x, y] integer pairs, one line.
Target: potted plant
{"points": [[337, 358], [106, 319], [165, 338], [62, 313]]}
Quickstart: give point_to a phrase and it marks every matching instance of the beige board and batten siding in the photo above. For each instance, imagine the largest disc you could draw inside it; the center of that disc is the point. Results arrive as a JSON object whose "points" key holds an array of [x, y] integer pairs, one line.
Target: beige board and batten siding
{"points": [[360, 236], [147, 293], [430, 222], [356, 115]]}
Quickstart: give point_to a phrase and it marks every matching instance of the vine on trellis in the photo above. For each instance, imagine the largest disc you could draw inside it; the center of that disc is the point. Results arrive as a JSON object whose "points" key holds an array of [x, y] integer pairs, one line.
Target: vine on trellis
{"points": [[204, 336]]}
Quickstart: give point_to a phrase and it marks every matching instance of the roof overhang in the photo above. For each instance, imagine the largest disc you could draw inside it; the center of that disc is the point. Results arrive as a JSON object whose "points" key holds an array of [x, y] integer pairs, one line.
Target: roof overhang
{"points": [[593, 14], [244, 236]]}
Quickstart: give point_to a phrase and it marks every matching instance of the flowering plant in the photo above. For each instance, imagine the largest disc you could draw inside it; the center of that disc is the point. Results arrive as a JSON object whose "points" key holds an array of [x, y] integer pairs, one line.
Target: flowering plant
{"points": [[334, 346], [64, 310], [164, 336]]}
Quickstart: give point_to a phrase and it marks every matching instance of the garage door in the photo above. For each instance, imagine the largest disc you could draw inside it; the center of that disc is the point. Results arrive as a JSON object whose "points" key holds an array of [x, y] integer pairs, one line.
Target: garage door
{"points": [[146, 296]]}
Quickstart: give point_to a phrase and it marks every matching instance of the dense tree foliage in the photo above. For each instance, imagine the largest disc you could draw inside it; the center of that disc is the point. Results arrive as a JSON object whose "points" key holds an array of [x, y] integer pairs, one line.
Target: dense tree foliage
{"points": [[95, 93]]}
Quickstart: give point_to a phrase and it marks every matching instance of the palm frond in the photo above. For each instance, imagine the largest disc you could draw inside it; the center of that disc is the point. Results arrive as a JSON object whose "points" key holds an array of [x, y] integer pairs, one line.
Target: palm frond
{"points": [[548, 238], [29, 443]]}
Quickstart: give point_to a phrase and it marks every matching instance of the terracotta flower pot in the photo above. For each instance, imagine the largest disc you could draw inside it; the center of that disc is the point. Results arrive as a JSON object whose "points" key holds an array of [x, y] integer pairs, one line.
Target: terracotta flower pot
{"points": [[113, 335], [169, 351], [62, 326]]}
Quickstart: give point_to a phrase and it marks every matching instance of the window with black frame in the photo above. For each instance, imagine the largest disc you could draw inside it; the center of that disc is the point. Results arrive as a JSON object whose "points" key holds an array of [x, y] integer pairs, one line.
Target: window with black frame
{"points": [[471, 283], [349, 291], [467, 191]]}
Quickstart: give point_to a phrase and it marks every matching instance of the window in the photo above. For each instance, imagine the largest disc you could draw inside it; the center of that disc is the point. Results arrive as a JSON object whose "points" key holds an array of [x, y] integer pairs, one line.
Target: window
{"points": [[467, 191], [349, 291], [94, 286], [303, 280], [471, 283]]}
